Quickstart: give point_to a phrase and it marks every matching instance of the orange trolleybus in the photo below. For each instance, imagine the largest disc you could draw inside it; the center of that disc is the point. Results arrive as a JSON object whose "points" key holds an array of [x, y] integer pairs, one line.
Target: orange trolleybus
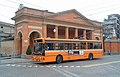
{"points": [[59, 50]]}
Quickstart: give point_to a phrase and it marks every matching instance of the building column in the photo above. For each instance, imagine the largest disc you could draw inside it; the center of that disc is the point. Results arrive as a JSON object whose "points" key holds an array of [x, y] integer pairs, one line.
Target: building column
{"points": [[66, 33], [56, 31], [25, 39], [84, 34], [44, 30], [16, 45], [76, 32], [15, 40]]}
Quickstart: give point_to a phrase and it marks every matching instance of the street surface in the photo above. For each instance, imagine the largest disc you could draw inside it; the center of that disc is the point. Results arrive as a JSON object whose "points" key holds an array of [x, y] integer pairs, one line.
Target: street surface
{"points": [[107, 66]]}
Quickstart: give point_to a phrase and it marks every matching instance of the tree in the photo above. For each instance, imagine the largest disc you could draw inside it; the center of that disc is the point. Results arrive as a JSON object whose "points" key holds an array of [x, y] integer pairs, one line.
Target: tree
{"points": [[28, 52]]}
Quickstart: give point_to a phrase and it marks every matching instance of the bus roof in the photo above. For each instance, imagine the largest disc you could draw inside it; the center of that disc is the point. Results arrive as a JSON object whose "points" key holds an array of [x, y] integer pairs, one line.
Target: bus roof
{"points": [[67, 40]]}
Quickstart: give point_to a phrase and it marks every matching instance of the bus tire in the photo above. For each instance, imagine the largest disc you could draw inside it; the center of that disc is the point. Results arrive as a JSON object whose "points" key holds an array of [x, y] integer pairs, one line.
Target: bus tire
{"points": [[59, 59], [90, 57]]}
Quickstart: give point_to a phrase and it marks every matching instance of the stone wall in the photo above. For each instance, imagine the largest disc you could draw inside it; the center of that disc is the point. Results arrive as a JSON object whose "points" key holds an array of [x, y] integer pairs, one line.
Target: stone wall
{"points": [[7, 48]]}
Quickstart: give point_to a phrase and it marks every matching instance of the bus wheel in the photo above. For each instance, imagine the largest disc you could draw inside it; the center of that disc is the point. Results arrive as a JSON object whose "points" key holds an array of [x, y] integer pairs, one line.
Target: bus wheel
{"points": [[90, 57], [59, 59]]}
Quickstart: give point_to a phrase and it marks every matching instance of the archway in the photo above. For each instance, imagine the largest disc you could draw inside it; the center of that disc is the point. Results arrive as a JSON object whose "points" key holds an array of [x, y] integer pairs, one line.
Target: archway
{"points": [[97, 38], [32, 36], [19, 43]]}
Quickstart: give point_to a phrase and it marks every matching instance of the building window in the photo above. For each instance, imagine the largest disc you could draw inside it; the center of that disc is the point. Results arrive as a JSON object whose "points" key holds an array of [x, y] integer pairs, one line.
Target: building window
{"points": [[1, 26]]}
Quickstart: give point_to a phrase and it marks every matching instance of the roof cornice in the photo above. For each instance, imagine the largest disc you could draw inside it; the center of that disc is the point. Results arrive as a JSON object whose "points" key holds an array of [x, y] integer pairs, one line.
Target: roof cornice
{"points": [[45, 17]]}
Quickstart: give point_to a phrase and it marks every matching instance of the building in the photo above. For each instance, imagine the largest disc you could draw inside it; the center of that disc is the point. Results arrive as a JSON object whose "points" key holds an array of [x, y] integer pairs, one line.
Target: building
{"points": [[33, 23], [111, 26], [6, 30], [6, 38], [111, 31]]}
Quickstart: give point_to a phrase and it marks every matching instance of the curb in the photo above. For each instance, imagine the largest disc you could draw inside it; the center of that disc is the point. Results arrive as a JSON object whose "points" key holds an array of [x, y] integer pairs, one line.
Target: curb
{"points": [[15, 62], [5, 58], [10, 60]]}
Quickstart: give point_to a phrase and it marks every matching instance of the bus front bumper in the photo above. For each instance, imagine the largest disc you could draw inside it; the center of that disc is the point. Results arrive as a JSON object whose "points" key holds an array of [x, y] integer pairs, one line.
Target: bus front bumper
{"points": [[37, 58]]}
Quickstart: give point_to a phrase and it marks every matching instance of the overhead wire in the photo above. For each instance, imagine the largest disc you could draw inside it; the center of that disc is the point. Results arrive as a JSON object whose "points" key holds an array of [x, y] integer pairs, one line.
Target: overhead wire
{"points": [[13, 1], [20, 2], [103, 11], [8, 6], [31, 4], [9, 18], [101, 7], [4, 15], [93, 5], [82, 11], [15, 7]]}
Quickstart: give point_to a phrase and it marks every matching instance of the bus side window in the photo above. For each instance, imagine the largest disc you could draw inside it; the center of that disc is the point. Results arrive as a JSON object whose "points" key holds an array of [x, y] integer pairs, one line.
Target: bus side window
{"points": [[61, 46], [83, 45], [95, 45], [74, 46], [69, 46], [46, 46], [99, 46], [50, 46], [77, 46], [90, 45]]}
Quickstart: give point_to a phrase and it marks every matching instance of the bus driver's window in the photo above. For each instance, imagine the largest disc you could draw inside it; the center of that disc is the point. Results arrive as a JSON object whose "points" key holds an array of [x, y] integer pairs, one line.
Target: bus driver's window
{"points": [[46, 47]]}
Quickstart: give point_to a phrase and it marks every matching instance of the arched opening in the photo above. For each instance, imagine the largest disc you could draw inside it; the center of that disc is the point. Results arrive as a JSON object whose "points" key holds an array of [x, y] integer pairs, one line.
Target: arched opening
{"points": [[97, 38], [19, 43], [50, 32], [32, 36]]}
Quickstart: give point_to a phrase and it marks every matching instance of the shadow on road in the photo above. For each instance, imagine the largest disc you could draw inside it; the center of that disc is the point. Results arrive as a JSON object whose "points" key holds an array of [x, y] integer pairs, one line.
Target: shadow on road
{"points": [[70, 61]]}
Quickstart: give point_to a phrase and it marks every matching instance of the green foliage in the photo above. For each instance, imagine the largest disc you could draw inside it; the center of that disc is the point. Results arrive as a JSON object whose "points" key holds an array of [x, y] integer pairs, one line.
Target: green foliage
{"points": [[28, 52]]}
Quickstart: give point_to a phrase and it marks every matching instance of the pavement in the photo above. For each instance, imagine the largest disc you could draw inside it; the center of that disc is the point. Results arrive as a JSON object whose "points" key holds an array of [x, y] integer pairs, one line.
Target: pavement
{"points": [[3, 58], [10, 60], [106, 66]]}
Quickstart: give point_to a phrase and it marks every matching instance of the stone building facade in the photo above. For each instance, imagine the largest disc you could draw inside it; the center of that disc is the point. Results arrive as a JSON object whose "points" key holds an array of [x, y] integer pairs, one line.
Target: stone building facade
{"points": [[111, 26], [6, 30], [6, 38], [33, 23]]}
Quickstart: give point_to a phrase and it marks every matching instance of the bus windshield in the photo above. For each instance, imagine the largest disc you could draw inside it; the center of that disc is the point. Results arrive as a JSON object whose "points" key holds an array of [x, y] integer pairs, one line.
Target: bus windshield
{"points": [[38, 49]]}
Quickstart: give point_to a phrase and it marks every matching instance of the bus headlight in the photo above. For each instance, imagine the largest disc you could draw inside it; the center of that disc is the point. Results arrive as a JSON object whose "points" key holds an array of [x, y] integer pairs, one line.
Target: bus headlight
{"points": [[40, 57]]}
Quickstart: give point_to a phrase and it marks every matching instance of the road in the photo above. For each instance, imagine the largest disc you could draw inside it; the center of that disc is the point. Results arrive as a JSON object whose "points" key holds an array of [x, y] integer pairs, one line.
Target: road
{"points": [[107, 66]]}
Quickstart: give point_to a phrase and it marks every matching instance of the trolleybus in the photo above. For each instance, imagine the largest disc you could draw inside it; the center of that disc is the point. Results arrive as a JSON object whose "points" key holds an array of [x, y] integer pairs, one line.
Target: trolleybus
{"points": [[59, 50]]}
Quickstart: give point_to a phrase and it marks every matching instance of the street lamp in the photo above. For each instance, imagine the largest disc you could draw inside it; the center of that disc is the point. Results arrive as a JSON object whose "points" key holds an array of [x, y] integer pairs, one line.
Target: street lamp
{"points": [[104, 37], [54, 30]]}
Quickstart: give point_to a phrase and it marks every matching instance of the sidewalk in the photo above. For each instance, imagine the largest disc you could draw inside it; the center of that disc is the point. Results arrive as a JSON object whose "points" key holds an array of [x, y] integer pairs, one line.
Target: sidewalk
{"points": [[3, 58], [9, 60]]}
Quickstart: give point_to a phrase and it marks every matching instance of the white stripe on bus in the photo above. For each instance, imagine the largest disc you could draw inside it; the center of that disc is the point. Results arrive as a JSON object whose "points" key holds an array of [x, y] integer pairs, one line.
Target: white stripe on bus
{"points": [[88, 50]]}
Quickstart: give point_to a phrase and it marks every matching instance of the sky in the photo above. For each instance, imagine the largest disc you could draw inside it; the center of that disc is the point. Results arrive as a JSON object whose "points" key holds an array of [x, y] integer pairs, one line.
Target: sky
{"points": [[92, 9]]}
